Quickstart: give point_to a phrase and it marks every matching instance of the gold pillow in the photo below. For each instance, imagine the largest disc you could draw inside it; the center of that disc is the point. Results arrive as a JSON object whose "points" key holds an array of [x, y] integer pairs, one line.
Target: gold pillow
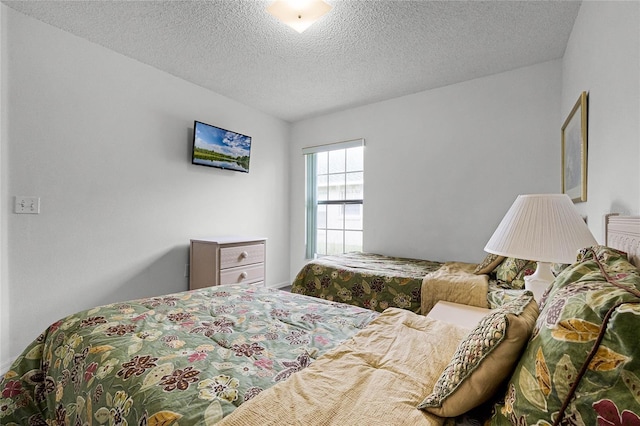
{"points": [[488, 264], [484, 359]]}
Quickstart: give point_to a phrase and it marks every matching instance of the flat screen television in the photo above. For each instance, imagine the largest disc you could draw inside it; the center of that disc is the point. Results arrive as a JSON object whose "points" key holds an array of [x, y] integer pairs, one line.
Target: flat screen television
{"points": [[217, 147]]}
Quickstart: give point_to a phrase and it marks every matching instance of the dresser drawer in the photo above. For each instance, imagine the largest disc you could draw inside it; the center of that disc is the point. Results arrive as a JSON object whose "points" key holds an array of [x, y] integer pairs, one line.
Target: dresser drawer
{"points": [[247, 274], [227, 260], [231, 257]]}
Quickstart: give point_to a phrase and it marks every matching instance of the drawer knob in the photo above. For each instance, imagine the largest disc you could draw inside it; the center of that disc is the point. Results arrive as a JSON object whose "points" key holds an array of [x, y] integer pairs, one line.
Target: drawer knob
{"points": [[244, 255], [243, 275]]}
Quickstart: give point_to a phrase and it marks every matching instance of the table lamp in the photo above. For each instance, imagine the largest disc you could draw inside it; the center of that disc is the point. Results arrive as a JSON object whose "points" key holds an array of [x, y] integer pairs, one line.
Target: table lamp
{"points": [[545, 228]]}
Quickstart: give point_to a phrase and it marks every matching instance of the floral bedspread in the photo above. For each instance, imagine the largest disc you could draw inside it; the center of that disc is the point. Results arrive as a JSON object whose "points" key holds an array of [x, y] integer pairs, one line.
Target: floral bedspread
{"points": [[368, 280], [186, 358]]}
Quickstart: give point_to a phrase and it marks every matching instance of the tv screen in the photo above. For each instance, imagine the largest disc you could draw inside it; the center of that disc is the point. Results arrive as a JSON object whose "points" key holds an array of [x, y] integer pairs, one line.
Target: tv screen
{"points": [[217, 147]]}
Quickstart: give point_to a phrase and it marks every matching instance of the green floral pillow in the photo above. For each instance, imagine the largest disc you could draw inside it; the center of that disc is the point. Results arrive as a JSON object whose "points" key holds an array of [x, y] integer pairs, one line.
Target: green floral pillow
{"points": [[512, 271], [490, 262], [557, 268], [582, 365], [496, 297], [484, 358]]}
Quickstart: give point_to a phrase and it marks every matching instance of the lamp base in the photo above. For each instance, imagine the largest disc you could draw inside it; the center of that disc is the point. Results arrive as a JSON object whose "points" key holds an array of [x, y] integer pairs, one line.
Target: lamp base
{"points": [[539, 281]]}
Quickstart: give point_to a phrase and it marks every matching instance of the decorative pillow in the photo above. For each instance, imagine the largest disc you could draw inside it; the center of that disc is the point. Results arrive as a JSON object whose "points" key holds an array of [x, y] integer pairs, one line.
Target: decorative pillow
{"points": [[483, 359], [488, 264], [512, 271], [496, 297], [557, 268], [582, 363]]}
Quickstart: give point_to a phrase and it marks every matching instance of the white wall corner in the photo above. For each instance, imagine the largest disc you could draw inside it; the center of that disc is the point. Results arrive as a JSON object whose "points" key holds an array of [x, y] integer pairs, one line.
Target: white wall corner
{"points": [[280, 285]]}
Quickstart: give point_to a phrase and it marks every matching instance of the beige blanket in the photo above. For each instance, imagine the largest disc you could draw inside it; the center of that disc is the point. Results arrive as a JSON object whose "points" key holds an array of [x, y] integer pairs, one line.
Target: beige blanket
{"points": [[454, 282], [378, 377]]}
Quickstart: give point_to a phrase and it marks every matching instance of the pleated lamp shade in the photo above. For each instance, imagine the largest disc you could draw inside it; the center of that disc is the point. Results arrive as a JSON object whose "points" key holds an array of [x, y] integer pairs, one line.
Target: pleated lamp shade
{"points": [[542, 228]]}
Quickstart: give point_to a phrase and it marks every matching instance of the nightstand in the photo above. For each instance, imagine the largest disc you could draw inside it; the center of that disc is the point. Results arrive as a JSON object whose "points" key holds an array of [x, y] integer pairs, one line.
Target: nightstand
{"points": [[226, 260]]}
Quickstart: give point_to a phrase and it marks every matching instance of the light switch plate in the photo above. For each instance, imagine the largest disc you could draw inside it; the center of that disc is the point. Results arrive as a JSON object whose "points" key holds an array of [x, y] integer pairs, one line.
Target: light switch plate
{"points": [[27, 205]]}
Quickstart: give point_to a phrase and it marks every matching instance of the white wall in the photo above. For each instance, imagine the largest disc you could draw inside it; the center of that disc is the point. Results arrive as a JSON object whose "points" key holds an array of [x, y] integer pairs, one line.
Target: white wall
{"points": [[105, 142], [77, 122], [443, 166], [4, 299], [603, 58]]}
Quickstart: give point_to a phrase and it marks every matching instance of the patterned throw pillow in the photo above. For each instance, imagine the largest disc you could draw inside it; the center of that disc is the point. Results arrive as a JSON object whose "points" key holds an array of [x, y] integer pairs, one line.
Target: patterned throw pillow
{"points": [[557, 268], [496, 297], [483, 359], [582, 364], [488, 264], [512, 271]]}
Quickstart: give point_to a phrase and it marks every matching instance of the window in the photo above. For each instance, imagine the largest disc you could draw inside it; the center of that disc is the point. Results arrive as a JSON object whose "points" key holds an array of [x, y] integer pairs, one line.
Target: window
{"points": [[335, 188]]}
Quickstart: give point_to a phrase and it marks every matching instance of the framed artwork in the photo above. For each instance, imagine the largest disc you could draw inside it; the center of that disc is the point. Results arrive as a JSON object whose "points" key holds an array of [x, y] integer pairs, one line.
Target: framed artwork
{"points": [[574, 151]]}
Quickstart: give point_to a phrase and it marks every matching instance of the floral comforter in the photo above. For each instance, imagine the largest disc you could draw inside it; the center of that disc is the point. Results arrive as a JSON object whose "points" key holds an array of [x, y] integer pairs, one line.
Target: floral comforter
{"points": [[186, 358], [368, 280]]}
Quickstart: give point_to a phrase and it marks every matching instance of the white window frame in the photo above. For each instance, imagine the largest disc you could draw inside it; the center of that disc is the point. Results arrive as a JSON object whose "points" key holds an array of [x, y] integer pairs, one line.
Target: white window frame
{"points": [[311, 199]]}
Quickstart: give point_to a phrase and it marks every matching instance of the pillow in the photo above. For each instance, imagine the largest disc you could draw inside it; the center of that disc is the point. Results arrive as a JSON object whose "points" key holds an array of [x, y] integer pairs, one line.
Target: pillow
{"points": [[512, 271], [488, 264], [496, 297], [484, 359], [557, 268], [584, 357]]}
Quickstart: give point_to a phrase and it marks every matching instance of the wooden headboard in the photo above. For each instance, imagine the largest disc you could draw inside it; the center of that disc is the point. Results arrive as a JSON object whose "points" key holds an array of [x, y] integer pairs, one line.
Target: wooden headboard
{"points": [[623, 233]]}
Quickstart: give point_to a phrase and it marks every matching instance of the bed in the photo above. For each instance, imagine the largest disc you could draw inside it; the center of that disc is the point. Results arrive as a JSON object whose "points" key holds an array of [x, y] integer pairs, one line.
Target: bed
{"points": [[574, 361], [378, 282], [246, 355], [369, 280], [187, 358]]}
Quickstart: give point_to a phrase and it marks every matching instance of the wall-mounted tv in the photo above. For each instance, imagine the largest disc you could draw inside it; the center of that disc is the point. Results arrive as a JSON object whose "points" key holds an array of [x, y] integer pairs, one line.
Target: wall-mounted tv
{"points": [[217, 147]]}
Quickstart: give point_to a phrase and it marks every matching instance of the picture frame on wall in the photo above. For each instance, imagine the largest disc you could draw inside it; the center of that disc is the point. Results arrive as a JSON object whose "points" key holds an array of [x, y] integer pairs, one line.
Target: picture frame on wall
{"points": [[574, 151]]}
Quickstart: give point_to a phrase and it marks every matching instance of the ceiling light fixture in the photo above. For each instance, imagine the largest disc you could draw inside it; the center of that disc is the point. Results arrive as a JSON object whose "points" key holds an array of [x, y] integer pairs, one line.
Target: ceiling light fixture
{"points": [[299, 14]]}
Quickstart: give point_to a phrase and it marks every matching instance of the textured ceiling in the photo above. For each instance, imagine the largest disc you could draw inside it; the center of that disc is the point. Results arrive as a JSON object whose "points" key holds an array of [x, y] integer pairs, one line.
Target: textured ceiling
{"points": [[361, 52]]}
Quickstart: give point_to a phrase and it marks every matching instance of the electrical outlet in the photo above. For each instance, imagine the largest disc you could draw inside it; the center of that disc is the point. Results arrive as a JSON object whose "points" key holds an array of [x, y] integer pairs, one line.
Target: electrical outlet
{"points": [[27, 205]]}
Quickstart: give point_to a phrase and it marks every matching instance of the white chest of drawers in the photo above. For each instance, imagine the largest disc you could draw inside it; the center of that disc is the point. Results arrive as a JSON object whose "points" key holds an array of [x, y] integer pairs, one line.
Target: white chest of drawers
{"points": [[226, 260]]}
